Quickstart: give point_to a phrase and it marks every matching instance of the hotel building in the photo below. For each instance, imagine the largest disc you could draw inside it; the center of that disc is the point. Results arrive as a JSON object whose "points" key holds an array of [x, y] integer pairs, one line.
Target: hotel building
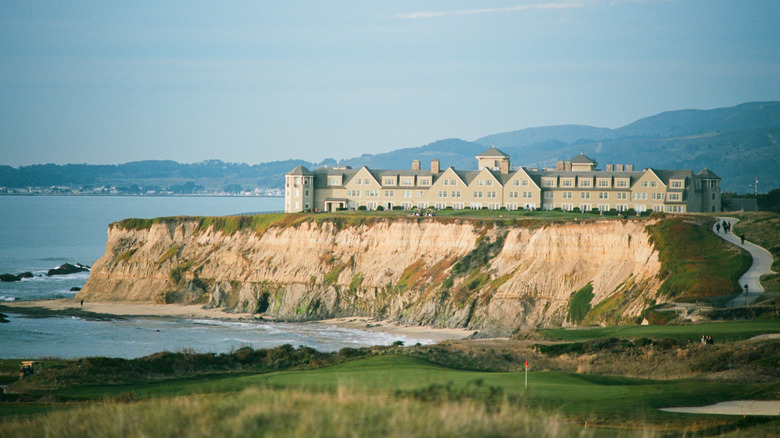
{"points": [[495, 185]]}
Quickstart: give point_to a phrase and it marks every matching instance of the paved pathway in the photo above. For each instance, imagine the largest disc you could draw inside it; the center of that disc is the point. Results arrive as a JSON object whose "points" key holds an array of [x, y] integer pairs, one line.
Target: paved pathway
{"points": [[762, 264]]}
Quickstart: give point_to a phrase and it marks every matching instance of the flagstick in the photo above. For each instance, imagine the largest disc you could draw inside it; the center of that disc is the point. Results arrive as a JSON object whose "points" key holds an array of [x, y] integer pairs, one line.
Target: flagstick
{"points": [[526, 375]]}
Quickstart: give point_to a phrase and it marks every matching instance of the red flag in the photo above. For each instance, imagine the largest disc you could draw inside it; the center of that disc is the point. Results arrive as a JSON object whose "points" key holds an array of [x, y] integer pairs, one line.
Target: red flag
{"points": [[526, 364]]}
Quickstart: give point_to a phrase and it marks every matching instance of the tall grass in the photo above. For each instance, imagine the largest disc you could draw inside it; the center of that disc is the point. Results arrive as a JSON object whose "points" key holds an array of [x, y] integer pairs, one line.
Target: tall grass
{"points": [[292, 413]]}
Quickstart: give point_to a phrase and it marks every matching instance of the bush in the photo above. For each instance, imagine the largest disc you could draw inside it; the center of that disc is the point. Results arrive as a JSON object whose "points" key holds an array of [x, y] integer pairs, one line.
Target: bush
{"points": [[380, 208], [631, 212], [362, 208], [611, 212]]}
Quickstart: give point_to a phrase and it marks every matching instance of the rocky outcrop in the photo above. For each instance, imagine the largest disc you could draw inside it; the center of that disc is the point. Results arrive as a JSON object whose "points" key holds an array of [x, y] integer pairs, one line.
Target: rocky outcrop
{"points": [[67, 269], [492, 277]]}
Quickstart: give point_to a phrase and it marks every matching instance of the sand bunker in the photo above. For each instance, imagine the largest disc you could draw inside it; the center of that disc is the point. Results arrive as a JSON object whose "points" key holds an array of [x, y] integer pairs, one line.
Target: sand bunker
{"points": [[736, 407]]}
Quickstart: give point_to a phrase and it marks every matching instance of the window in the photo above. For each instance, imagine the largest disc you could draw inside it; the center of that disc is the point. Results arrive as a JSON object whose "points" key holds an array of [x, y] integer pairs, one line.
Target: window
{"points": [[515, 182], [548, 195], [621, 183], [445, 182], [676, 184], [566, 195], [442, 193], [358, 181], [453, 182], [478, 194], [524, 183], [584, 195], [513, 195], [548, 182], [366, 181], [389, 193], [653, 183], [407, 181], [420, 193], [491, 194], [489, 182], [644, 183], [603, 195], [585, 183], [567, 183], [456, 193], [622, 196], [481, 182], [603, 183], [406, 194], [674, 196], [425, 181], [334, 180], [388, 181]]}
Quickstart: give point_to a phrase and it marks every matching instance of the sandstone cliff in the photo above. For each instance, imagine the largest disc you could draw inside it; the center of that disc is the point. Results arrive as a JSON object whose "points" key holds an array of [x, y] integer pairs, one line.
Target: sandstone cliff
{"points": [[490, 277]]}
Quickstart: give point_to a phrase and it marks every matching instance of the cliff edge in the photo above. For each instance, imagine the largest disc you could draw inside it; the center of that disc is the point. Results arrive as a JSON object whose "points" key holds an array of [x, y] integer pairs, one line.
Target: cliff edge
{"points": [[492, 277]]}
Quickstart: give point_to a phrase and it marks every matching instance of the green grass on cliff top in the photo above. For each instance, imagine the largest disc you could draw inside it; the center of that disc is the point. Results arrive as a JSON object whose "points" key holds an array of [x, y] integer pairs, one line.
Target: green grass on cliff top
{"points": [[259, 223]]}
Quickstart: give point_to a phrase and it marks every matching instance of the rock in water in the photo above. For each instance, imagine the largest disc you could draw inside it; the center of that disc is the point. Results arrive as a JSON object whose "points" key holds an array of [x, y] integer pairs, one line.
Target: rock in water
{"points": [[9, 277], [25, 275], [66, 269]]}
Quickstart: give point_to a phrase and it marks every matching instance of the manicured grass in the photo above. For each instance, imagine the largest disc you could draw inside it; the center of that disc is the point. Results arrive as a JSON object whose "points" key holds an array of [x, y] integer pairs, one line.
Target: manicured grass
{"points": [[720, 331]]}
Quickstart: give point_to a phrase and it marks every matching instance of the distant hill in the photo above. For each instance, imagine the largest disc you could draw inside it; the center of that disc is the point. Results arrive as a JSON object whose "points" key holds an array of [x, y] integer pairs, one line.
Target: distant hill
{"points": [[738, 143]]}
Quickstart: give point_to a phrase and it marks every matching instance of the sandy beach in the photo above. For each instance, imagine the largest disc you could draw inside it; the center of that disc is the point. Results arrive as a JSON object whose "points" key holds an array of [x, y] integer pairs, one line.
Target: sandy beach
{"points": [[197, 311]]}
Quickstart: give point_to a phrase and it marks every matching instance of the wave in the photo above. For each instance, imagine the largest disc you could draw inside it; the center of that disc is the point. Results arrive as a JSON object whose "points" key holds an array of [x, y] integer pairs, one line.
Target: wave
{"points": [[5, 298]]}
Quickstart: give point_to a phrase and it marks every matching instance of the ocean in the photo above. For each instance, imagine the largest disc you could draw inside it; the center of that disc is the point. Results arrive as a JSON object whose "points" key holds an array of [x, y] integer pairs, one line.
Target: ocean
{"points": [[38, 233]]}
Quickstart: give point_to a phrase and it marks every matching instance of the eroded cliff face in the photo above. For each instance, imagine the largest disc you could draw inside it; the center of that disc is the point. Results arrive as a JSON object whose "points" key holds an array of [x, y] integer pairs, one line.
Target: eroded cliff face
{"points": [[492, 278]]}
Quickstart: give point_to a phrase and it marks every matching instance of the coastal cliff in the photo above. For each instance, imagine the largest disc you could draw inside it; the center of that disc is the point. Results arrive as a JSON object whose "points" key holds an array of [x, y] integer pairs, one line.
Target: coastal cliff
{"points": [[489, 276]]}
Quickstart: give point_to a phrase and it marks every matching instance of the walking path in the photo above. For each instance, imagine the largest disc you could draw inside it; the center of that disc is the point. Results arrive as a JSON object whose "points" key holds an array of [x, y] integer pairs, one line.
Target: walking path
{"points": [[762, 264]]}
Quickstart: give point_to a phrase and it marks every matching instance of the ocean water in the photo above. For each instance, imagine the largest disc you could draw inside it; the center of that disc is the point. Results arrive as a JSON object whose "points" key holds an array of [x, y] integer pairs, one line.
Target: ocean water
{"points": [[38, 233]]}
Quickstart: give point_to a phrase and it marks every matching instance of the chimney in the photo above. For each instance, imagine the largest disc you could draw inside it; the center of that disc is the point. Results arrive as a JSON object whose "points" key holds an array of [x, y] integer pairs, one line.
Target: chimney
{"points": [[629, 167], [567, 166], [559, 165], [610, 168], [618, 167], [435, 166], [504, 167], [415, 164]]}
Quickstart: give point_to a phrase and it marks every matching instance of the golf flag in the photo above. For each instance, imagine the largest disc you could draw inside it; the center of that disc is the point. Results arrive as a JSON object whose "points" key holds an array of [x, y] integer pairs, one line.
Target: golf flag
{"points": [[526, 375]]}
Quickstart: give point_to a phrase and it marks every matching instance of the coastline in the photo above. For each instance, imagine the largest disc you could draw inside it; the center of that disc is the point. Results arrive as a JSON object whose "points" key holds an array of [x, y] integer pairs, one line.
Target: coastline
{"points": [[135, 309]]}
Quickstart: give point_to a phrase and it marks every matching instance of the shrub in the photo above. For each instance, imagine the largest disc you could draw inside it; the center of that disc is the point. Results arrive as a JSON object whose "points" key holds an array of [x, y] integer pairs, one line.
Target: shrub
{"points": [[579, 306]]}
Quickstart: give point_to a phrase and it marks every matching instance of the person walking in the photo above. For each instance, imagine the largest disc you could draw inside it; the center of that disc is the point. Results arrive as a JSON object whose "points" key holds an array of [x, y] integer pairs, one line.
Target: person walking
{"points": [[742, 238]]}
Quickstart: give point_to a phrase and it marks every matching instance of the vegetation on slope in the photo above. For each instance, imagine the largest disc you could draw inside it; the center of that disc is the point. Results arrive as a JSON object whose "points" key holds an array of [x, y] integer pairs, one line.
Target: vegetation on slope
{"points": [[763, 229], [695, 263]]}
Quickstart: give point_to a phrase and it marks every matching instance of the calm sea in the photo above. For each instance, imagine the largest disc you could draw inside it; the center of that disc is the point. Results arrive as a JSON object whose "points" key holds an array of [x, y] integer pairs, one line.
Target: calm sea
{"points": [[41, 232]]}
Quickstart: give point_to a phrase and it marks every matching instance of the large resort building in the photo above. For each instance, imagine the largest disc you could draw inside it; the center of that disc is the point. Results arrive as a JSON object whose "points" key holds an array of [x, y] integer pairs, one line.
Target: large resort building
{"points": [[576, 184]]}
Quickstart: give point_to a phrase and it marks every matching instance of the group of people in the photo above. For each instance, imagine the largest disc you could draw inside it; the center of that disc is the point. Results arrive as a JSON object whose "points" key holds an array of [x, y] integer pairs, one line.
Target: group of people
{"points": [[726, 226], [706, 339]]}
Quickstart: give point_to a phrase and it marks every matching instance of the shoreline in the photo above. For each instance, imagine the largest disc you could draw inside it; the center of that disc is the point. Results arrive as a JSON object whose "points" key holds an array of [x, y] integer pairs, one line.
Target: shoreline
{"points": [[188, 311]]}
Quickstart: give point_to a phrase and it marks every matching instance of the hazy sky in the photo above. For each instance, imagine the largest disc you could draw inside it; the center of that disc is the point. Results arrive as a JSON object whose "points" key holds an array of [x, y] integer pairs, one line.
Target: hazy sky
{"points": [[253, 81]]}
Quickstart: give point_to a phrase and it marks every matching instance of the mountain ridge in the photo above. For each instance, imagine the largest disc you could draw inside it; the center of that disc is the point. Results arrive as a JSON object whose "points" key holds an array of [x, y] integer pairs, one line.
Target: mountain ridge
{"points": [[738, 143]]}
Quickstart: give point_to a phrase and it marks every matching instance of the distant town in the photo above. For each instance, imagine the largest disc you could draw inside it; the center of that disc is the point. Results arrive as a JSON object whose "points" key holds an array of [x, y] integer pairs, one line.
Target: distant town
{"points": [[186, 189]]}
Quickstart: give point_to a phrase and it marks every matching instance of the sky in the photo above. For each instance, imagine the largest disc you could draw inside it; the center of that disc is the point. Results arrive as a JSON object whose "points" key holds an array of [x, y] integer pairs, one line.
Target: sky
{"points": [[109, 82]]}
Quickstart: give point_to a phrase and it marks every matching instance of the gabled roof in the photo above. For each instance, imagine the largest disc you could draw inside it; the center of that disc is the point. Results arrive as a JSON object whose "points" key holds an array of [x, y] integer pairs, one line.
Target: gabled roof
{"points": [[582, 159], [493, 152], [707, 173], [300, 170]]}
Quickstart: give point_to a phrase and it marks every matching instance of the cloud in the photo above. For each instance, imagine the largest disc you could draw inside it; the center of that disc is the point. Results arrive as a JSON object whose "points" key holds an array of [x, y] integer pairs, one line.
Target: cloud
{"points": [[538, 6]]}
